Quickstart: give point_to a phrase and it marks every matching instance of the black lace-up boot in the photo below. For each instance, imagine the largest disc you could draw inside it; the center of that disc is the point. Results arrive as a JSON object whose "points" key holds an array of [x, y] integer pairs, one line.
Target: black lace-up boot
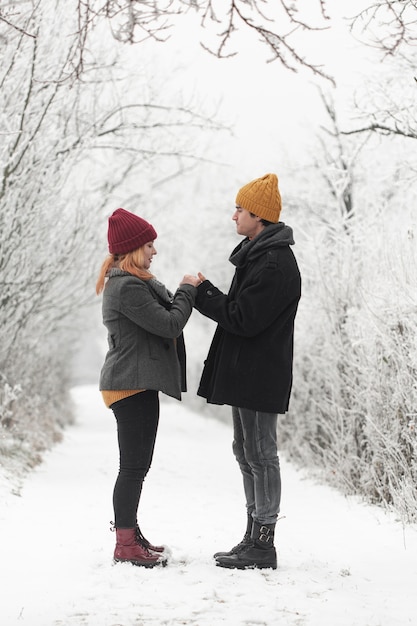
{"points": [[242, 544], [259, 553]]}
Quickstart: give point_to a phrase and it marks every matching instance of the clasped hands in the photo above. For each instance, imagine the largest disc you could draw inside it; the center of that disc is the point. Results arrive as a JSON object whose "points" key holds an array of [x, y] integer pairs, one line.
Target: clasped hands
{"points": [[189, 279]]}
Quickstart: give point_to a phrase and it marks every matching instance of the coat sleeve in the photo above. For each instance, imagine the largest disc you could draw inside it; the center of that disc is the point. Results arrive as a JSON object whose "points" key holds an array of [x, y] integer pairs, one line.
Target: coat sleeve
{"points": [[252, 306], [138, 304]]}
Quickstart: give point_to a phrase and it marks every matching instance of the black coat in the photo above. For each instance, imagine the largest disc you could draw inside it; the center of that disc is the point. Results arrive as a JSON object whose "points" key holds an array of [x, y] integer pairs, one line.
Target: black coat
{"points": [[249, 364]]}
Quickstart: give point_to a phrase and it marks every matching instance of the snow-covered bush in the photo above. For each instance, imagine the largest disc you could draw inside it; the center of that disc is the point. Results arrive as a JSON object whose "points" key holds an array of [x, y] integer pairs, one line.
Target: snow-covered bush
{"points": [[354, 403], [72, 148]]}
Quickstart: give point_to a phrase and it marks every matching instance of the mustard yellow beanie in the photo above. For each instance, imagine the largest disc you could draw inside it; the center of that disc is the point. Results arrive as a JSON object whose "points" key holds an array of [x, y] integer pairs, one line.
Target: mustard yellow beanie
{"points": [[262, 198]]}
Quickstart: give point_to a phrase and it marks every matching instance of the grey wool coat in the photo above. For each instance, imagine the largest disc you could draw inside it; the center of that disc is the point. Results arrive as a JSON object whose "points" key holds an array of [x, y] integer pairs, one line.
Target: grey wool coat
{"points": [[145, 323]]}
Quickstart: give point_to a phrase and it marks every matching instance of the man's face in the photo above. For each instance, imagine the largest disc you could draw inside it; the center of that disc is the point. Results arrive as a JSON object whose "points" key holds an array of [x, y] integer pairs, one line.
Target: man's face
{"points": [[246, 224]]}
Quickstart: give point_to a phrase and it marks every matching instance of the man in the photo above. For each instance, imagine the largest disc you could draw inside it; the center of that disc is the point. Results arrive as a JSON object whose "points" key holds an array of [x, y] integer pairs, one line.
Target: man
{"points": [[249, 365]]}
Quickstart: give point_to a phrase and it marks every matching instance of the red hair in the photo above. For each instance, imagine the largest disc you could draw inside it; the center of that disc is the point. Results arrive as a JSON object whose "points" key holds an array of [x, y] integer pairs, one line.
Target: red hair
{"points": [[132, 262]]}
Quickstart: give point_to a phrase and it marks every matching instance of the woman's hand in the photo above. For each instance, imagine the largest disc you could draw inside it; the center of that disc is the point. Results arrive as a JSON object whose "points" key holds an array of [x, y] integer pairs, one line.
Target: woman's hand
{"points": [[189, 279]]}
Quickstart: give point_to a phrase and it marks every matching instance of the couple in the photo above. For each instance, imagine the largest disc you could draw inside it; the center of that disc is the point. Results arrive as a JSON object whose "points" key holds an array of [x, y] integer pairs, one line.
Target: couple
{"points": [[249, 365]]}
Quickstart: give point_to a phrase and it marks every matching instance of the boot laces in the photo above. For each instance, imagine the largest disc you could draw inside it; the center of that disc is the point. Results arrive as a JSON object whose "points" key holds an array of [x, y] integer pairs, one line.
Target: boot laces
{"points": [[140, 539]]}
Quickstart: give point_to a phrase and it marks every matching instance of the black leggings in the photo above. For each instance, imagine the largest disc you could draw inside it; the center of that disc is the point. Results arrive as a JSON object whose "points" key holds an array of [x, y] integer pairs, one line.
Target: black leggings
{"points": [[137, 424]]}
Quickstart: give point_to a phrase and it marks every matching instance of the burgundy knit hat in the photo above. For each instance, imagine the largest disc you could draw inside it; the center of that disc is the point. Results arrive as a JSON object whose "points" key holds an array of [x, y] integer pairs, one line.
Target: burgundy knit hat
{"points": [[128, 232]]}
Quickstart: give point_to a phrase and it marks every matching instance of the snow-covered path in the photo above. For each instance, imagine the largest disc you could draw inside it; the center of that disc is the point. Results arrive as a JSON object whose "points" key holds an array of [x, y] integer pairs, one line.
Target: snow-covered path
{"points": [[340, 562]]}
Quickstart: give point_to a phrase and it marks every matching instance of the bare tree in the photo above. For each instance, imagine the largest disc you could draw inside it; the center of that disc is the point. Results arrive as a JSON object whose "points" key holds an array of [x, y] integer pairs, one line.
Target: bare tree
{"points": [[386, 106], [338, 160], [385, 103], [388, 25], [277, 25], [66, 149], [354, 393]]}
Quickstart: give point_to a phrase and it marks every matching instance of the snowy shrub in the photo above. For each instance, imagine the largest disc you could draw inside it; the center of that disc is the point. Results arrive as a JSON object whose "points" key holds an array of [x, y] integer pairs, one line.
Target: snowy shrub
{"points": [[72, 151], [354, 402]]}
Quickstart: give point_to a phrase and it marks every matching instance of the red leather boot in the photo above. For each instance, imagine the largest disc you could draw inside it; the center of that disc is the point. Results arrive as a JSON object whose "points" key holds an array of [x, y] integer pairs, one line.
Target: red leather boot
{"points": [[129, 550], [147, 544]]}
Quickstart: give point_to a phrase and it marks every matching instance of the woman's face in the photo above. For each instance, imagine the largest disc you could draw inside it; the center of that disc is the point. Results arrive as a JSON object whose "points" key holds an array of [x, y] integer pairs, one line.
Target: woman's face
{"points": [[149, 250]]}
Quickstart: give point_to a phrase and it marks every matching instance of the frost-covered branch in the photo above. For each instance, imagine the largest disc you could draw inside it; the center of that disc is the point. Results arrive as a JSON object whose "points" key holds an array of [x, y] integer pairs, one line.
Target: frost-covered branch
{"points": [[388, 25], [275, 31], [275, 24]]}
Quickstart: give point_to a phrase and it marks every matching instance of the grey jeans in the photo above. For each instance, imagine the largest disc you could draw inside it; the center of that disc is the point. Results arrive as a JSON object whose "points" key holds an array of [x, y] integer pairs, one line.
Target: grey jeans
{"points": [[255, 449]]}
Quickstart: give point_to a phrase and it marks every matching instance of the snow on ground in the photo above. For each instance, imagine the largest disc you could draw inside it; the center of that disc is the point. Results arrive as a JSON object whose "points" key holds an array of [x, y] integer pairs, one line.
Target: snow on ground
{"points": [[341, 562]]}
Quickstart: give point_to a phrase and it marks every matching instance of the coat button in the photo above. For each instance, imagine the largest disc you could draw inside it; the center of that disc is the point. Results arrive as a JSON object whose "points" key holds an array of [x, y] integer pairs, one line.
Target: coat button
{"points": [[209, 292]]}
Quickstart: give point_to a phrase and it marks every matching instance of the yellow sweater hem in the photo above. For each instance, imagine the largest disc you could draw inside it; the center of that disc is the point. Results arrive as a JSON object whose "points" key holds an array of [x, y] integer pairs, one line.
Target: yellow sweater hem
{"points": [[111, 396]]}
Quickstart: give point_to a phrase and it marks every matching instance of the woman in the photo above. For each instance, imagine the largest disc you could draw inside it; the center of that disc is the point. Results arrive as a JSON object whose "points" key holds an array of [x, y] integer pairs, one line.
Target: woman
{"points": [[146, 355]]}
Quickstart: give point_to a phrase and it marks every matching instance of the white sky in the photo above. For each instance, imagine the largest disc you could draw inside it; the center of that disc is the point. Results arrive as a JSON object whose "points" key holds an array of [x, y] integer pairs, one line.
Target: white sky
{"points": [[275, 111]]}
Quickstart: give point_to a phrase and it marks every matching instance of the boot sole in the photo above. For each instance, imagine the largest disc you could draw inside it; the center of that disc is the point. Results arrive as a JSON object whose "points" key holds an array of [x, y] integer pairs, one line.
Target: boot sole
{"points": [[237, 565], [147, 564]]}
